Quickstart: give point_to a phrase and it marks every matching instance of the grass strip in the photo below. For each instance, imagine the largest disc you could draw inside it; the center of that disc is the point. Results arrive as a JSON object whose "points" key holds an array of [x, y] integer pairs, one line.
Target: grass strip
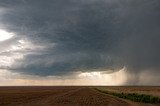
{"points": [[133, 96]]}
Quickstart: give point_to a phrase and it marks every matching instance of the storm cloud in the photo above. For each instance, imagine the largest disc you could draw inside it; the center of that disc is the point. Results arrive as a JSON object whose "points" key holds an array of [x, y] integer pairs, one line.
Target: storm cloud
{"points": [[84, 35]]}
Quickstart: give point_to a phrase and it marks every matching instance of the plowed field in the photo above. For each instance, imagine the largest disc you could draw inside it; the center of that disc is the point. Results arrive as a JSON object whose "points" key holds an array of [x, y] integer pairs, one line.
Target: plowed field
{"points": [[60, 96]]}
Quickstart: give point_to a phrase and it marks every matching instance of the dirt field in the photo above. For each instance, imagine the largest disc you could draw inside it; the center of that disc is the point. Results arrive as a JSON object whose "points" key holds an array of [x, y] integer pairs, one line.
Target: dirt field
{"points": [[60, 96]]}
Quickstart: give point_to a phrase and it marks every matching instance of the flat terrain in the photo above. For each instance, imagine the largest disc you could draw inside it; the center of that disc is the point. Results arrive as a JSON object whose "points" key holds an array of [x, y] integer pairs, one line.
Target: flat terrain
{"points": [[63, 96], [149, 90]]}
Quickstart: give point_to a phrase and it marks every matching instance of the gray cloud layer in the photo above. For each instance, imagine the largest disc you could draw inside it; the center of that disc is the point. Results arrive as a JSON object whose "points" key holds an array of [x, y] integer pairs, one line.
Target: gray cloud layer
{"points": [[85, 34]]}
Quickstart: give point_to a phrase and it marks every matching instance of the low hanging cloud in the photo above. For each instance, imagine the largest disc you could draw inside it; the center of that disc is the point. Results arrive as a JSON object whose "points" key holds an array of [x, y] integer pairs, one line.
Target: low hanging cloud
{"points": [[84, 35]]}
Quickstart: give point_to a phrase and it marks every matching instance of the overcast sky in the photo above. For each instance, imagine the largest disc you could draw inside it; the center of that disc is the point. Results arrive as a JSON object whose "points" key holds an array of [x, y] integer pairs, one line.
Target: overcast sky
{"points": [[60, 42]]}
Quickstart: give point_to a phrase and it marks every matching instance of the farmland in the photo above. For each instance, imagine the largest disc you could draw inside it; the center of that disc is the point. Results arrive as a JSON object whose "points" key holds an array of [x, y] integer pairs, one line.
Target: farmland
{"points": [[71, 96], [137, 97]]}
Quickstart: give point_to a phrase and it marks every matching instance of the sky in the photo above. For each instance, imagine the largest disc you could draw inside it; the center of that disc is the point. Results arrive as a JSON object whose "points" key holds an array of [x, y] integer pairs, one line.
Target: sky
{"points": [[79, 42]]}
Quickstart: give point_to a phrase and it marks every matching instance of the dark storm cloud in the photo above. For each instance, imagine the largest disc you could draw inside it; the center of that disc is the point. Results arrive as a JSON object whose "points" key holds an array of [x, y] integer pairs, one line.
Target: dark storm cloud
{"points": [[86, 34]]}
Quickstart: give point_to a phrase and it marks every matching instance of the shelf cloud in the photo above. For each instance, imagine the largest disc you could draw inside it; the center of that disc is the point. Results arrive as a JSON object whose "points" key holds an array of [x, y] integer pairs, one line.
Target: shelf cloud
{"points": [[59, 37]]}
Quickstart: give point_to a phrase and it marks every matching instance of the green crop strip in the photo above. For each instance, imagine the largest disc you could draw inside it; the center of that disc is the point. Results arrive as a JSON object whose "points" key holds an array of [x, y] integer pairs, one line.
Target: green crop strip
{"points": [[133, 96]]}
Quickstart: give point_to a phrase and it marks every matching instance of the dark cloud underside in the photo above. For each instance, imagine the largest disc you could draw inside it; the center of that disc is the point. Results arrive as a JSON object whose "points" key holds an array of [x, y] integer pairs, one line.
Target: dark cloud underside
{"points": [[85, 34]]}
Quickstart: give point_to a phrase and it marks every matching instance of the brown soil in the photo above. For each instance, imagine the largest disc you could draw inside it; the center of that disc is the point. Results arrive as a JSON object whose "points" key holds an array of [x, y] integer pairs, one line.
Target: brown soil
{"points": [[59, 96]]}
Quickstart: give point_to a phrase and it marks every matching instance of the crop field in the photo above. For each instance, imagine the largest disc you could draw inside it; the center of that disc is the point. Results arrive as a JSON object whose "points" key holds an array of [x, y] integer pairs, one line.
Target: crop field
{"points": [[132, 94], [75, 96], [150, 90]]}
